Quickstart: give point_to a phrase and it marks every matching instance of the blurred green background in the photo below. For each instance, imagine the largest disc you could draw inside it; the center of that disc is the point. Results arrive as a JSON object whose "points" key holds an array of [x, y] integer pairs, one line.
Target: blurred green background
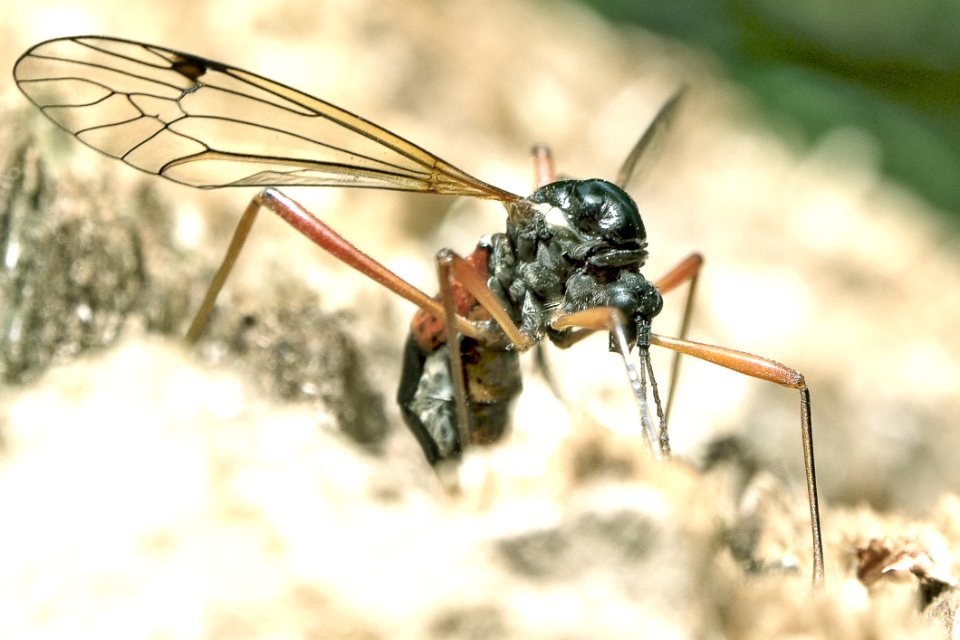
{"points": [[888, 68]]}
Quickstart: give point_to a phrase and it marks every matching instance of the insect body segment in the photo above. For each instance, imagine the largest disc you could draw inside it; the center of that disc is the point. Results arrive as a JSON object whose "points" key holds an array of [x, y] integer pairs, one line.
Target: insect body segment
{"points": [[573, 245], [491, 376]]}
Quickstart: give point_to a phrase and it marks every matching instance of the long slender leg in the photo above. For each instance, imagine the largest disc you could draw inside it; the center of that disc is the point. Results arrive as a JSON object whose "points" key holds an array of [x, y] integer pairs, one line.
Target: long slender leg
{"points": [[611, 319], [453, 348], [326, 238], [233, 251], [451, 267], [454, 268], [687, 270], [772, 371], [543, 168]]}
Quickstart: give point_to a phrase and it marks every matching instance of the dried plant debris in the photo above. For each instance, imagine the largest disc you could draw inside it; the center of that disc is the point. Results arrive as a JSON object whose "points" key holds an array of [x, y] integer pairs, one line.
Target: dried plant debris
{"points": [[898, 557], [902, 558]]}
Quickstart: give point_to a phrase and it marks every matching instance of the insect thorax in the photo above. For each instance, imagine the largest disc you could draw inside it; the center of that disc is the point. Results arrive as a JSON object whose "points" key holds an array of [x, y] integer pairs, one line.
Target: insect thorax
{"points": [[573, 245]]}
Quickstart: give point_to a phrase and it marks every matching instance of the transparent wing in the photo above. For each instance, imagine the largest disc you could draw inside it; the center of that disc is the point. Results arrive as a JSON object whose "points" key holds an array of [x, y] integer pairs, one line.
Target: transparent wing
{"points": [[639, 158], [206, 124]]}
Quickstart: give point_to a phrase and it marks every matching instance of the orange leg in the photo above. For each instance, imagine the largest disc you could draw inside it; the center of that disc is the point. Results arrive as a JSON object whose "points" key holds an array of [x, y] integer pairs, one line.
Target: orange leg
{"points": [[772, 371], [543, 168], [612, 320], [687, 270], [324, 237], [452, 267], [752, 365]]}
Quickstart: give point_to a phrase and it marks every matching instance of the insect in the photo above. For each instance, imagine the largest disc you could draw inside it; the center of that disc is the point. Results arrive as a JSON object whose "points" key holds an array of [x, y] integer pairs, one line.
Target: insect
{"points": [[568, 263]]}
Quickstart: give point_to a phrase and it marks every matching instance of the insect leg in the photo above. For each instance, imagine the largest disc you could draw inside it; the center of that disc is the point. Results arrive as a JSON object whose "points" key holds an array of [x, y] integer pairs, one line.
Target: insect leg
{"points": [[772, 371], [452, 267], [226, 266], [612, 320], [543, 169], [326, 238], [687, 270], [453, 347]]}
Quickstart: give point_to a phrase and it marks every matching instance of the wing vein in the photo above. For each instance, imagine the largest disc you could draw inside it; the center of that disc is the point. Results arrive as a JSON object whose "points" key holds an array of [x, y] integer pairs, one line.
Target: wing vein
{"points": [[209, 125]]}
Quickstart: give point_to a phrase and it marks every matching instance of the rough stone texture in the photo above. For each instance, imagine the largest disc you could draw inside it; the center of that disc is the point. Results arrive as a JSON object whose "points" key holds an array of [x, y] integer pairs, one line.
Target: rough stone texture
{"points": [[152, 491], [84, 264]]}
